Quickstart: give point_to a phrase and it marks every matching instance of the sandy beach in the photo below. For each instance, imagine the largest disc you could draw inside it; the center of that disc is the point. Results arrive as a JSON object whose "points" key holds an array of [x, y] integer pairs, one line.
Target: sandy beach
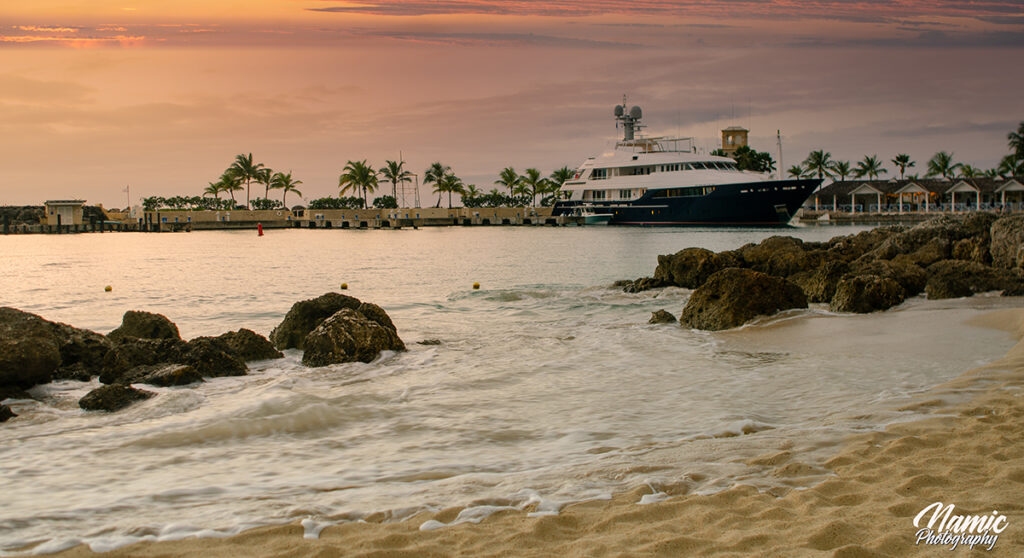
{"points": [[970, 454]]}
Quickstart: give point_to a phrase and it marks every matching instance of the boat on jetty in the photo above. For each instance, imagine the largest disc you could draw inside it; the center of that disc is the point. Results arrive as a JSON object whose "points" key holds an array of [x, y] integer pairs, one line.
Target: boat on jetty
{"points": [[664, 181]]}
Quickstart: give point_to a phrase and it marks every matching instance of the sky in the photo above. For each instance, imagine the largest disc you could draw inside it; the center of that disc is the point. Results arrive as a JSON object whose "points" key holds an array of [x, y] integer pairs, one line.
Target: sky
{"points": [[160, 95]]}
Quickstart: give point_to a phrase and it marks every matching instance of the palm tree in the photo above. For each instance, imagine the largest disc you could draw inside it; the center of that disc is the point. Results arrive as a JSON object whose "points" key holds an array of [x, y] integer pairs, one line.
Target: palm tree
{"points": [[508, 178], [230, 182], [557, 179], [533, 182], [394, 172], [264, 176], [471, 191], [1016, 141], [968, 171], [358, 177], [214, 189], [436, 174], [1010, 166], [246, 171], [796, 171], [283, 181], [819, 162], [870, 167], [903, 162], [449, 183], [942, 164], [841, 168]]}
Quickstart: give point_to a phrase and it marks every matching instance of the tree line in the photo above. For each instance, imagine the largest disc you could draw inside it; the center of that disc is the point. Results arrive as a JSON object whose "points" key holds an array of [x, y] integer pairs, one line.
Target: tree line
{"points": [[821, 164]]}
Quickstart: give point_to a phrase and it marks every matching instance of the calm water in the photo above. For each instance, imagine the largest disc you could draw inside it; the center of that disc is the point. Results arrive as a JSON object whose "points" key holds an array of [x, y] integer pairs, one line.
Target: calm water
{"points": [[549, 387]]}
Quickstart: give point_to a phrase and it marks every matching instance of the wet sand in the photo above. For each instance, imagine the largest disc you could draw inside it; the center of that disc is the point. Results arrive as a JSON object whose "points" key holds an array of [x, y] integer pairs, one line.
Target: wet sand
{"points": [[969, 454]]}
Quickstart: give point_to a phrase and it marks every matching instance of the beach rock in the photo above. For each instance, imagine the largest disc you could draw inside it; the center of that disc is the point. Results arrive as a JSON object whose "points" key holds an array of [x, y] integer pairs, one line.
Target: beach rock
{"points": [[1007, 242], [349, 336], [820, 284], [12, 392], [734, 296], [779, 255], [866, 293], [6, 413], [911, 277], [689, 268], [81, 352], [662, 317], [250, 345], [1016, 290], [972, 249], [936, 249], [112, 398], [850, 247], [304, 316], [644, 284], [29, 349], [959, 278], [211, 357], [144, 325], [429, 342], [131, 352], [163, 375]]}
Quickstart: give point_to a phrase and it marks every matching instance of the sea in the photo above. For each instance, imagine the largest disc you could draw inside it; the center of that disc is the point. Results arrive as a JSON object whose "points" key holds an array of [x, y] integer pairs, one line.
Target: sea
{"points": [[548, 387]]}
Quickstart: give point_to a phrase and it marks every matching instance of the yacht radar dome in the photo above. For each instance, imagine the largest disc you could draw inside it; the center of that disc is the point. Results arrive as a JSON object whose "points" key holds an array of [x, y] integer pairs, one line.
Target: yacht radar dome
{"points": [[635, 113], [619, 110]]}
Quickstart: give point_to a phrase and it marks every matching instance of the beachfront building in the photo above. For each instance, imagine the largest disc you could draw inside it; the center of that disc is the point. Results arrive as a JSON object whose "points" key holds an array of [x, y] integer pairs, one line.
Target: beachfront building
{"points": [[64, 212], [919, 195], [733, 138]]}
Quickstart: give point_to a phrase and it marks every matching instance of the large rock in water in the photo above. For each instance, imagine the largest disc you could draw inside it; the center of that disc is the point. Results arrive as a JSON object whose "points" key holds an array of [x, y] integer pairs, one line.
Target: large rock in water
{"points": [[144, 325], [691, 267], [1007, 242], [6, 413], [866, 293], [734, 296], [959, 278], [29, 351], [351, 335], [112, 398], [305, 316], [35, 351], [250, 345]]}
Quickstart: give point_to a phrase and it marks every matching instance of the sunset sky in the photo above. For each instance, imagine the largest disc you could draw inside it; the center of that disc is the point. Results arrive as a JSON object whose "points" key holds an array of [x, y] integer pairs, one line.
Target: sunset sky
{"points": [[162, 94]]}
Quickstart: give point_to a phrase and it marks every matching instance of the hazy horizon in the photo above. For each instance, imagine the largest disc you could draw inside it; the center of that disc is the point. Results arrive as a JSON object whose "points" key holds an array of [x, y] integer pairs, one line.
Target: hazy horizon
{"points": [[161, 95]]}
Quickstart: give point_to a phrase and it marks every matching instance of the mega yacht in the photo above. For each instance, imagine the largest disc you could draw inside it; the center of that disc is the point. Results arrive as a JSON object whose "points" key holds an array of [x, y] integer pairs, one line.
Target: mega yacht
{"points": [[665, 181]]}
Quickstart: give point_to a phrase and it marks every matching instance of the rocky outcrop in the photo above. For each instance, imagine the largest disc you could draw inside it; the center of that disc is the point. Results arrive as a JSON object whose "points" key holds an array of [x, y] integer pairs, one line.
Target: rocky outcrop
{"points": [[133, 352], [691, 267], [351, 335], [305, 316], [144, 325], [112, 398], [6, 413], [820, 285], [163, 375], [36, 351], [250, 345], [866, 293], [662, 317], [959, 278], [781, 256], [29, 351], [734, 296], [643, 284], [212, 358], [1007, 242]]}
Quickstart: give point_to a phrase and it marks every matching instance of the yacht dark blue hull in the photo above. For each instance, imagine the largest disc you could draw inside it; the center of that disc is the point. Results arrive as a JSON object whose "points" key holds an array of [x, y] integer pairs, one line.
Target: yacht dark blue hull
{"points": [[758, 204]]}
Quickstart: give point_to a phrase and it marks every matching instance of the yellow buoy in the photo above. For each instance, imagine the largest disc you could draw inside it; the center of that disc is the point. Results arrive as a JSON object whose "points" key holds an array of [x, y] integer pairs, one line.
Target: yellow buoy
{"points": [[344, 286], [476, 286], [108, 288]]}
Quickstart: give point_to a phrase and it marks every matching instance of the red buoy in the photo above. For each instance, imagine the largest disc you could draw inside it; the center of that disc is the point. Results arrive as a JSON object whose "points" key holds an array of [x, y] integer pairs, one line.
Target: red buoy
{"points": [[259, 227]]}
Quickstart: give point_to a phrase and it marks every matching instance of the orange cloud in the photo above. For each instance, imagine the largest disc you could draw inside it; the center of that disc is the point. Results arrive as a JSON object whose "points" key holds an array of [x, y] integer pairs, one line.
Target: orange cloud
{"points": [[42, 29]]}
